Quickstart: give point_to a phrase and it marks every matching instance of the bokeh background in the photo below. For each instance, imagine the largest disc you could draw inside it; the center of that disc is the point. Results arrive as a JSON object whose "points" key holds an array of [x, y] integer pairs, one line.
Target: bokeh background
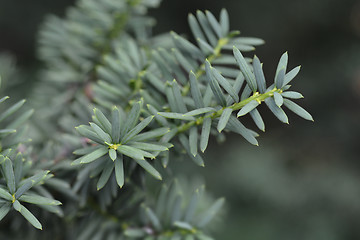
{"points": [[303, 182]]}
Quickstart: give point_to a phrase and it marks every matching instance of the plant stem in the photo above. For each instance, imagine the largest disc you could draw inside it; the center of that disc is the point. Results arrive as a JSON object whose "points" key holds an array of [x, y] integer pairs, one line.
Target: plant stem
{"points": [[236, 106], [217, 53], [201, 70]]}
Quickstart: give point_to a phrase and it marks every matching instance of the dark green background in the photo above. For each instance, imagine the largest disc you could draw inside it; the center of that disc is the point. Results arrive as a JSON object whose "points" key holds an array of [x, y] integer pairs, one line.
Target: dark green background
{"points": [[303, 182]]}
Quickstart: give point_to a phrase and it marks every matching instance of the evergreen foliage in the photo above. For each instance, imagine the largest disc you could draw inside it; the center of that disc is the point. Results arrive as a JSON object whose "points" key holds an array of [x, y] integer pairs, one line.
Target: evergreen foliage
{"points": [[116, 103]]}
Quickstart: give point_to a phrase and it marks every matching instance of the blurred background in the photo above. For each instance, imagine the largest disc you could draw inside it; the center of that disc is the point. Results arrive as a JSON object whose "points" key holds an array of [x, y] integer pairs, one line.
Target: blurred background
{"points": [[303, 182]]}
